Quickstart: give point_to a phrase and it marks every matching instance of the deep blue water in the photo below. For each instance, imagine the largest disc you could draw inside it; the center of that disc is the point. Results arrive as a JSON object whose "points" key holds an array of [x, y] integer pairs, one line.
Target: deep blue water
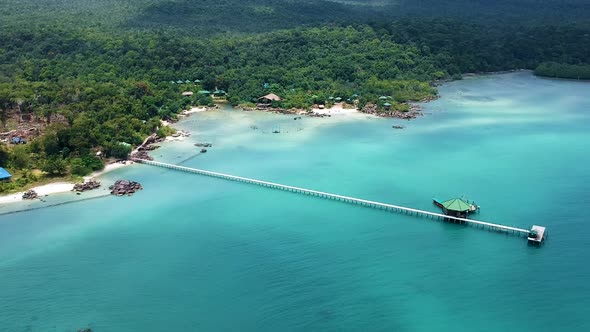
{"points": [[199, 254]]}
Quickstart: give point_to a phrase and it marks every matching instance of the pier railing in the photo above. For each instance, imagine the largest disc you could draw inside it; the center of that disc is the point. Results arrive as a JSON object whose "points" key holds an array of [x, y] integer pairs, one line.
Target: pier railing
{"points": [[341, 198]]}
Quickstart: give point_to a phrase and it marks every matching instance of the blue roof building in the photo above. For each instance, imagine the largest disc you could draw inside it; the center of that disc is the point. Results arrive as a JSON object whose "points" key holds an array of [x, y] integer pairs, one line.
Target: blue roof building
{"points": [[18, 140], [4, 175]]}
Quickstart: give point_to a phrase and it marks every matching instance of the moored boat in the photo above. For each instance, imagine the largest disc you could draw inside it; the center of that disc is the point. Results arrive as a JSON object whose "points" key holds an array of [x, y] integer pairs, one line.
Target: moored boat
{"points": [[436, 202]]}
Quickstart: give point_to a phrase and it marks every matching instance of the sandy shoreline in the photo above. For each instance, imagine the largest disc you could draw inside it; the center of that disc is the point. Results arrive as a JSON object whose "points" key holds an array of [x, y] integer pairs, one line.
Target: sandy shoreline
{"points": [[194, 110], [337, 109], [61, 187]]}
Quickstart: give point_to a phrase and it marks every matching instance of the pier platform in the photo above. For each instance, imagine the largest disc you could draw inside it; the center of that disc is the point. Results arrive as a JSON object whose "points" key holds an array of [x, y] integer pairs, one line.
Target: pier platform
{"points": [[536, 234]]}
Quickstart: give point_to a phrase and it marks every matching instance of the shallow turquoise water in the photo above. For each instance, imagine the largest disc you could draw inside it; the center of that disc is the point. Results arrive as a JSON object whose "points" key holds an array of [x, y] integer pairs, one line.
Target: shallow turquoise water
{"points": [[203, 254]]}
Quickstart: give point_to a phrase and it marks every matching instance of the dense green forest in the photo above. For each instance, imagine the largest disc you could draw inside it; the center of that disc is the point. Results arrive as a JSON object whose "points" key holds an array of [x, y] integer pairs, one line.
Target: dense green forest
{"points": [[101, 75], [213, 17], [562, 70]]}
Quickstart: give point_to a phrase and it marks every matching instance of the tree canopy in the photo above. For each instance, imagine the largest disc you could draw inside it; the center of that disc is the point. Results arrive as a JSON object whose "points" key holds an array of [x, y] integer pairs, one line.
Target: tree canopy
{"points": [[102, 79]]}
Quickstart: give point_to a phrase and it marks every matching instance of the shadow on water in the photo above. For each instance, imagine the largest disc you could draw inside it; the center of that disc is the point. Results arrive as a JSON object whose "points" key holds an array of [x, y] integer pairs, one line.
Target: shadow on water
{"points": [[53, 205]]}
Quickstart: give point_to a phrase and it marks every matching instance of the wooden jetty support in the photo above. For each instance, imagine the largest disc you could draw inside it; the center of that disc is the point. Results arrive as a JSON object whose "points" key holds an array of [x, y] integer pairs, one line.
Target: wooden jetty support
{"points": [[345, 199]]}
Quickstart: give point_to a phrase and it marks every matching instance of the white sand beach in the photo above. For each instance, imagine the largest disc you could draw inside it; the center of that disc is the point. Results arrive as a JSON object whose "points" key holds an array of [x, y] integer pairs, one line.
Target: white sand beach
{"points": [[194, 110], [337, 109], [108, 168], [47, 189], [61, 187]]}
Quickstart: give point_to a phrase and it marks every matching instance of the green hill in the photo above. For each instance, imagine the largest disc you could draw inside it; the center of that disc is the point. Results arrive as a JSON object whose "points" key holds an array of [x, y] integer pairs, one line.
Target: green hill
{"points": [[96, 75], [209, 17]]}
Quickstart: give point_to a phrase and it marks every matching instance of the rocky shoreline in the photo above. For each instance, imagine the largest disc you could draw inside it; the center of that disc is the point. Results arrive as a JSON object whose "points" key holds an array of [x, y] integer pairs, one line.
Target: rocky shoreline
{"points": [[415, 110], [30, 195], [413, 113], [142, 151]]}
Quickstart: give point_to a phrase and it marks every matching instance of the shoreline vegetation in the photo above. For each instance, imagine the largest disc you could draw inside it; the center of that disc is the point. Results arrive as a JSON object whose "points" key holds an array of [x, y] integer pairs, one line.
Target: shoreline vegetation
{"points": [[563, 71], [166, 132], [60, 185], [49, 186], [79, 96]]}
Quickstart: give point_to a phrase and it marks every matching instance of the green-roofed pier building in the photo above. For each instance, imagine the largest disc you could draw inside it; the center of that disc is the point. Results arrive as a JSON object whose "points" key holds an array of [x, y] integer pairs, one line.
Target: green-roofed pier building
{"points": [[456, 207]]}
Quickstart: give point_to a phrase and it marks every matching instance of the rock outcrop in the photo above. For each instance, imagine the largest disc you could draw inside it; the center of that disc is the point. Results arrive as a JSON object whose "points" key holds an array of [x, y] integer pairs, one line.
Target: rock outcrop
{"points": [[141, 154], [413, 113], [125, 187], [30, 194], [88, 185]]}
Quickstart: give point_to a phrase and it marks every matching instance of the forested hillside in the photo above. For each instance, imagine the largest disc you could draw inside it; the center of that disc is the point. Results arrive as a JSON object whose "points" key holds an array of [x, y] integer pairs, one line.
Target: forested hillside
{"points": [[214, 17], [98, 75]]}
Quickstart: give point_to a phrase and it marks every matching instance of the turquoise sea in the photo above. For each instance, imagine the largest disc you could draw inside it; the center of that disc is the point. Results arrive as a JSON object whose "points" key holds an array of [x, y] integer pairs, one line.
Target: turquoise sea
{"points": [[190, 253]]}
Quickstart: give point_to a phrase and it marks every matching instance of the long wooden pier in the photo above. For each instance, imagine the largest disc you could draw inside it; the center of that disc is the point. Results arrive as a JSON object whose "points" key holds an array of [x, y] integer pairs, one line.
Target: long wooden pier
{"points": [[340, 198]]}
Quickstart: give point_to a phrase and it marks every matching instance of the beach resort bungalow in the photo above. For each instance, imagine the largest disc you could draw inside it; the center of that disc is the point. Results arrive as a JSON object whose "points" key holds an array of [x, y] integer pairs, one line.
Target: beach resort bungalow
{"points": [[204, 92], [219, 93], [4, 175], [266, 101], [187, 93], [387, 106]]}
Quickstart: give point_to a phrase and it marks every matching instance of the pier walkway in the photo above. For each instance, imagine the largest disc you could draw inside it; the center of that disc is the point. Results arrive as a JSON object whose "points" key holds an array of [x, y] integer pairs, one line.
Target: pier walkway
{"points": [[340, 198]]}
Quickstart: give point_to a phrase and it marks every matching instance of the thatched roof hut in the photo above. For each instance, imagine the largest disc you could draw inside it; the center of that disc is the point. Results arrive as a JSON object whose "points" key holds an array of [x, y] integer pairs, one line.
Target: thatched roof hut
{"points": [[270, 98]]}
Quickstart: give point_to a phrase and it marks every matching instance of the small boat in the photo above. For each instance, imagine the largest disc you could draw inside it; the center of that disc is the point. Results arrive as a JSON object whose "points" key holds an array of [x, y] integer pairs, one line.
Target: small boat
{"points": [[203, 150], [436, 202]]}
